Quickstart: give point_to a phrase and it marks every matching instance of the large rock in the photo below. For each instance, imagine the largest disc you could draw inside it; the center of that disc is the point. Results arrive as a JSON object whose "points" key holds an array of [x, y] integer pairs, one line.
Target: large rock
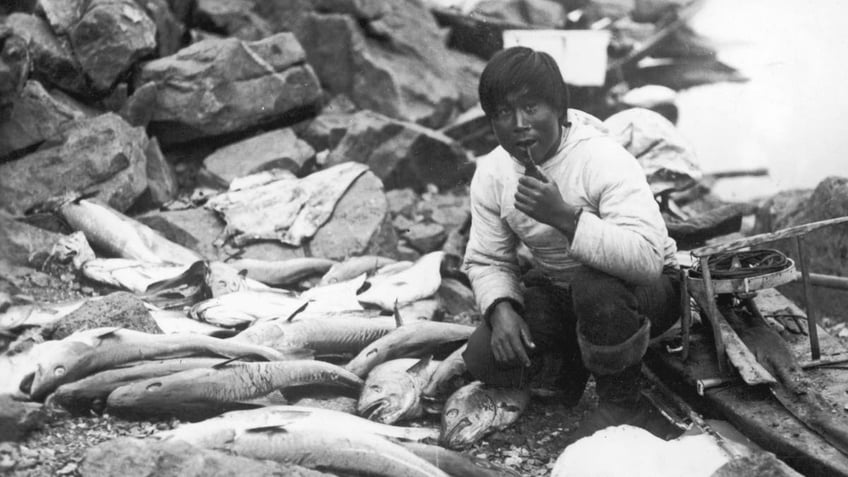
{"points": [[162, 182], [130, 457], [19, 417], [120, 309], [53, 60], [170, 31], [15, 64], [222, 86], [35, 116], [197, 229], [386, 56], [542, 13], [402, 154], [109, 38], [61, 14], [277, 149], [18, 241], [102, 154], [234, 18]]}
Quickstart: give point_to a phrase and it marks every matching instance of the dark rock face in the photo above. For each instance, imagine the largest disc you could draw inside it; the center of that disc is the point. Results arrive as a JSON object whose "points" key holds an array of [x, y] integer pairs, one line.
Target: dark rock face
{"points": [[35, 116], [109, 38], [402, 154], [234, 18], [18, 241], [121, 309], [223, 86], [277, 149], [103, 153], [389, 57], [15, 66]]}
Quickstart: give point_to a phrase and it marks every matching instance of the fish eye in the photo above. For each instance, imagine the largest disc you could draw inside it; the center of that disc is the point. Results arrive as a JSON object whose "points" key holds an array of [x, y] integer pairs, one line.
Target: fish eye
{"points": [[59, 371], [376, 388], [154, 386], [452, 412]]}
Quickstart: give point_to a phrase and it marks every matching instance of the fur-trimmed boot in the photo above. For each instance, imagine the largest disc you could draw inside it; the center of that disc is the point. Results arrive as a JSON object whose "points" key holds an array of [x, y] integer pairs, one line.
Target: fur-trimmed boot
{"points": [[617, 372]]}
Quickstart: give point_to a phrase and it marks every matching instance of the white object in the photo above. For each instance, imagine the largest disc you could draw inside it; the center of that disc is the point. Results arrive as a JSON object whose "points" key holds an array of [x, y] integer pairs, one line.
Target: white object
{"points": [[580, 54]]}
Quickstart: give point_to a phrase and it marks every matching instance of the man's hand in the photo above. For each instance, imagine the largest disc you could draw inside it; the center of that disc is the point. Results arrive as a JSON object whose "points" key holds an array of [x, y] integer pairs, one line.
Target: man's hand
{"points": [[510, 336], [541, 201]]}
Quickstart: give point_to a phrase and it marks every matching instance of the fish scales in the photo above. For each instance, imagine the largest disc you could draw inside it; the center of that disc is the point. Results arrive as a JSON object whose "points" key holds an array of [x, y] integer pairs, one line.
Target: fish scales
{"points": [[338, 450], [330, 335], [476, 410]]}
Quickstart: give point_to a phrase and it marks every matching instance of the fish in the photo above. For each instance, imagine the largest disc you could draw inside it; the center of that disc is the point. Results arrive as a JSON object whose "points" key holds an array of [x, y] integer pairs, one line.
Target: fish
{"points": [[90, 393], [216, 431], [243, 308], [325, 336], [340, 450], [87, 352], [475, 410], [224, 278], [392, 390], [119, 236], [417, 282], [338, 296], [31, 314], [354, 267], [173, 321], [412, 340], [131, 275], [283, 272], [445, 380], [210, 390], [456, 463]]}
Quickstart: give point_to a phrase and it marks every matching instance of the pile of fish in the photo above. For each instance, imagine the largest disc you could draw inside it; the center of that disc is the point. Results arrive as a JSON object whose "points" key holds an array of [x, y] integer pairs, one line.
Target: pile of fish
{"points": [[343, 366]]}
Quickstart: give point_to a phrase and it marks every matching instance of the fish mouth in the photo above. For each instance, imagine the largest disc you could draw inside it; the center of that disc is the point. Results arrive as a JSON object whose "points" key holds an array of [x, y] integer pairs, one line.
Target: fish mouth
{"points": [[453, 438], [26, 383], [374, 411]]}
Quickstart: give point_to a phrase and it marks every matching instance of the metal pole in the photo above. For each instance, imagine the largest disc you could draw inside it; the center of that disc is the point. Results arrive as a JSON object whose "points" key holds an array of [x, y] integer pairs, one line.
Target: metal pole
{"points": [[812, 309]]}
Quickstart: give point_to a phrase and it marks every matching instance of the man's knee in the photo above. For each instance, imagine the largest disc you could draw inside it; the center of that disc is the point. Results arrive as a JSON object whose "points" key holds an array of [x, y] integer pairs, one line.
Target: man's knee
{"points": [[605, 307]]}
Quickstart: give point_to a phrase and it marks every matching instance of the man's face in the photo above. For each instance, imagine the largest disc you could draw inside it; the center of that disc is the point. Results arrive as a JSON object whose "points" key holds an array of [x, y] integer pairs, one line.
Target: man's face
{"points": [[523, 121]]}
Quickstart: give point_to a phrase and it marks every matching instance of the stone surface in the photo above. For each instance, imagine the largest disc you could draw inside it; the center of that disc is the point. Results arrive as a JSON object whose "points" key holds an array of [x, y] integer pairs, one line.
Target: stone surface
{"points": [[277, 149], [386, 56], [161, 177], [196, 229], [360, 224], [448, 209], [121, 309], [15, 65], [130, 457], [18, 241], [234, 18], [102, 154], [53, 60], [425, 237], [170, 31], [541, 13], [109, 38], [61, 14], [402, 201], [19, 417], [402, 154], [223, 86], [35, 116]]}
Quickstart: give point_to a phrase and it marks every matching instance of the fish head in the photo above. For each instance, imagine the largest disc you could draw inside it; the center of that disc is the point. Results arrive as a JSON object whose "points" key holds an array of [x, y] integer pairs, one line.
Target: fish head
{"points": [[389, 399], [60, 363], [468, 415], [76, 400]]}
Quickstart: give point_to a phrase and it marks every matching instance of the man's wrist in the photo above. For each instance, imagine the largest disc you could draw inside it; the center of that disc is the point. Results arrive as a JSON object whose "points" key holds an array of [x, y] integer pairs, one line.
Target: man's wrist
{"points": [[498, 304]]}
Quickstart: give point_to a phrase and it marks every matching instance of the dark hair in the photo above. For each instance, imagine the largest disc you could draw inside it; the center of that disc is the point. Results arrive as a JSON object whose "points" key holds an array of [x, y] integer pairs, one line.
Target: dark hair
{"points": [[519, 67]]}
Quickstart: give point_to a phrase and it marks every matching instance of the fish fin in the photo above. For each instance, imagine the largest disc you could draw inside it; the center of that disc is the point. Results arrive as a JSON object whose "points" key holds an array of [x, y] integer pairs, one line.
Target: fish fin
{"points": [[194, 274], [420, 366], [266, 429], [297, 311], [231, 360], [398, 319]]}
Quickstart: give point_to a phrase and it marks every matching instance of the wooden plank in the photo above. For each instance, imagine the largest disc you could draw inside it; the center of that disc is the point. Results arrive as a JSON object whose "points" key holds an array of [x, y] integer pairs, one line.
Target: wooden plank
{"points": [[766, 237]]}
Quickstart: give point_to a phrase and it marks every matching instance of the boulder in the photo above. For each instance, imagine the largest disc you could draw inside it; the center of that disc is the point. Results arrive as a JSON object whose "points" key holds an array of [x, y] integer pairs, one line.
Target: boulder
{"points": [[234, 18], [102, 154], [541, 13], [61, 14], [360, 224], [170, 31], [131, 457], [387, 56], [162, 182], [109, 38], [277, 149], [15, 64], [402, 154], [120, 309], [53, 60], [196, 229], [18, 241], [35, 116], [326, 130], [402, 202], [222, 86], [425, 237], [19, 417], [450, 210]]}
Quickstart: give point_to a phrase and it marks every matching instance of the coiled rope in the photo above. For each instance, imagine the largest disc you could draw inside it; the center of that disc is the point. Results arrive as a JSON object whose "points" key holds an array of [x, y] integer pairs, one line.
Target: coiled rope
{"points": [[743, 264]]}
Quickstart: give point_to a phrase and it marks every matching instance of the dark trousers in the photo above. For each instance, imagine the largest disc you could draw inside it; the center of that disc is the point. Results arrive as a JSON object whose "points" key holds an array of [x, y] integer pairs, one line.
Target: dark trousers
{"points": [[608, 311]]}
